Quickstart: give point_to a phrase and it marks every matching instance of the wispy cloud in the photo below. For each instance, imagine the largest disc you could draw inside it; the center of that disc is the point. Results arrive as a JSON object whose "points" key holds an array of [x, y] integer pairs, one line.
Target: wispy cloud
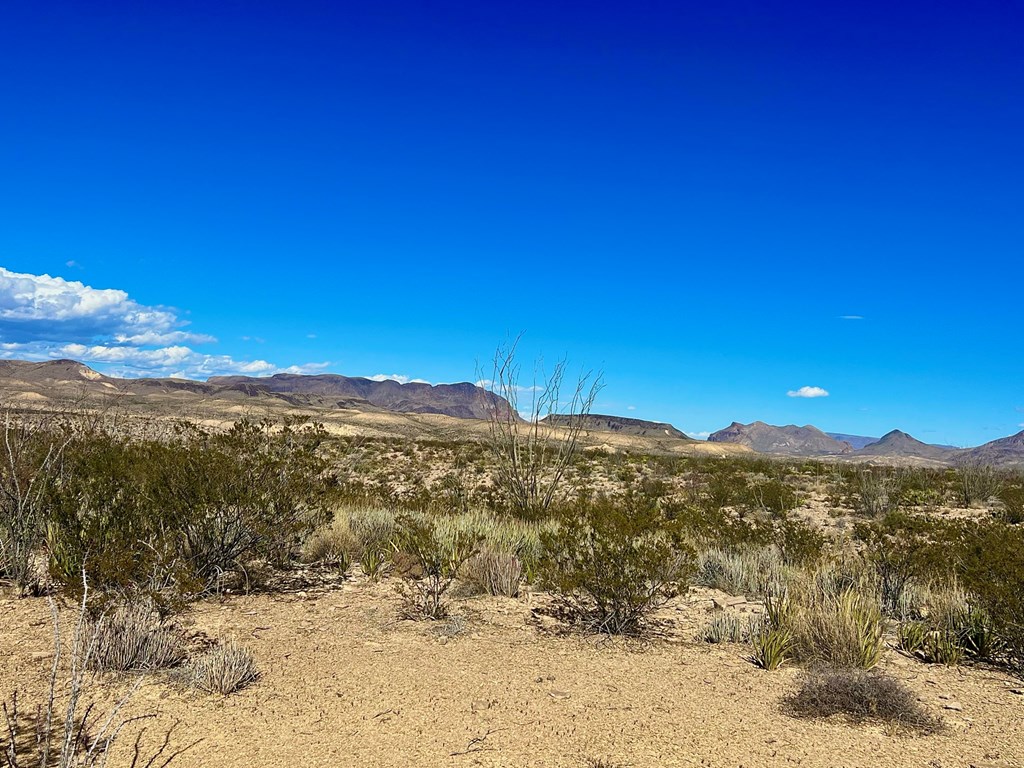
{"points": [[851, 317], [47, 318], [630, 407], [808, 392], [702, 435], [401, 378]]}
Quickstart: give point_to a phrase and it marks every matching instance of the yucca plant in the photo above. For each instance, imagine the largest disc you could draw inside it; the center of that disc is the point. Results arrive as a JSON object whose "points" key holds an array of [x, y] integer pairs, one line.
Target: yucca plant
{"points": [[772, 647]]}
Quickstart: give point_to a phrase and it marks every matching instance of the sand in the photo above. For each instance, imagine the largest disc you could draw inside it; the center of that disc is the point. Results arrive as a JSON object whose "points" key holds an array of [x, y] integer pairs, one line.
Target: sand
{"points": [[345, 682]]}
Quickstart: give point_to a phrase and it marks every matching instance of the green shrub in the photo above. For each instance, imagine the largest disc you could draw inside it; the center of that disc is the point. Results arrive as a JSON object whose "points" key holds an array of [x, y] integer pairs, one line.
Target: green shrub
{"points": [[614, 561], [29, 456], [877, 492], [173, 517], [977, 483], [1012, 498], [436, 559]]}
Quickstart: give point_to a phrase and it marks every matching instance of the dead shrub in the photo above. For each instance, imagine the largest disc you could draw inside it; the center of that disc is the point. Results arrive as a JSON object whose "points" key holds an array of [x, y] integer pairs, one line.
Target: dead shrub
{"points": [[494, 572], [861, 696], [133, 638], [223, 669]]}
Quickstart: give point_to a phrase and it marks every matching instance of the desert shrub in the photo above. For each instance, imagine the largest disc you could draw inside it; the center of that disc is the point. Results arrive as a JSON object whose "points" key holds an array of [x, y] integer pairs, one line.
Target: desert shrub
{"points": [[861, 696], [748, 571], [977, 483], [372, 527], [103, 523], [435, 562], [773, 496], [801, 544], [1012, 498], [329, 546], [877, 492], [900, 550], [614, 561], [835, 627], [225, 668], [494, 572], [132, 637], [254, 490], [30, 454], [174, 516]]}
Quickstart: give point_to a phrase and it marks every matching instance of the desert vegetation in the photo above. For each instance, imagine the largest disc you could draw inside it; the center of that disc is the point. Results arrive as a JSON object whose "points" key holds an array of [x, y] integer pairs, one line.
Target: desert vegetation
{"points": [[844, 565]]}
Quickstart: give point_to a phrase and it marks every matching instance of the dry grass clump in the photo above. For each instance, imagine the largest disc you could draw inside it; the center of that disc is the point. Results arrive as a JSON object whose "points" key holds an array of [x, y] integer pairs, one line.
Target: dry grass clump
{"points": [[330, 546], [747, 571], [494, 572], [861, 696], [223, 669], [727, 628], [133, 638], [837, 630]]}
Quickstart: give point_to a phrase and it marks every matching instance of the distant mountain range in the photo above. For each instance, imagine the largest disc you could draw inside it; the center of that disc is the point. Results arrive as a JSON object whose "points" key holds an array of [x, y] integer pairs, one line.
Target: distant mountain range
{"points": [[856, 441], [622, 425], [810, 441], [462, 401], [790, 440], [61, 382]]}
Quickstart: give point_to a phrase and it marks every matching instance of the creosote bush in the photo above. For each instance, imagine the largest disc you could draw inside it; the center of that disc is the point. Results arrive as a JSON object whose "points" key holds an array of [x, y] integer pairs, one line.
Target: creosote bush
{"points": [[170, 518], [614, 561], [861, 696], [429, 559]]}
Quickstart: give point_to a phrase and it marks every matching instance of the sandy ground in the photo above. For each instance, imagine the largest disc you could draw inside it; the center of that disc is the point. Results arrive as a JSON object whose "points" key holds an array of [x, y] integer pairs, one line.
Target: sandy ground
{"points": [[347, 683]]}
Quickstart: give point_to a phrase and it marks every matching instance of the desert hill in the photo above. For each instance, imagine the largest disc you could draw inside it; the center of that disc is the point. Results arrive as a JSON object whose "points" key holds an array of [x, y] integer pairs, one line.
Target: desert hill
{"points": [[790, 440], [622, 425], [1004, 452], [856, 441], [898, 443]]}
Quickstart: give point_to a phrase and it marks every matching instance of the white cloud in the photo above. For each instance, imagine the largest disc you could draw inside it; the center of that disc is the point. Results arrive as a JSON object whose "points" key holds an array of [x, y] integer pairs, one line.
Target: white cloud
{"points": [[699, 435], [630, 407], [47, 318], [808, 392], [851, 317], [399, 377]]}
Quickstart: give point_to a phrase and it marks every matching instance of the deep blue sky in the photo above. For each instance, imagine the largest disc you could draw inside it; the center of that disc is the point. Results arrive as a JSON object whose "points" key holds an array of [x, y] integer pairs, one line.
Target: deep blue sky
{"points": [[691, 196]]}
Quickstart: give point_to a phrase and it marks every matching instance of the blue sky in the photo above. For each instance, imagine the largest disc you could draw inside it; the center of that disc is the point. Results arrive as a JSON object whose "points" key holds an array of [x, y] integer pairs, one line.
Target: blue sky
{"points": [[697, 198]]}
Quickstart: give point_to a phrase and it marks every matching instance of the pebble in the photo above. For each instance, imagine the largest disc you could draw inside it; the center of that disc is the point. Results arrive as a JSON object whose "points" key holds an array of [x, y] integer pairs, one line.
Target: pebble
{"points": [[558, 695]]}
